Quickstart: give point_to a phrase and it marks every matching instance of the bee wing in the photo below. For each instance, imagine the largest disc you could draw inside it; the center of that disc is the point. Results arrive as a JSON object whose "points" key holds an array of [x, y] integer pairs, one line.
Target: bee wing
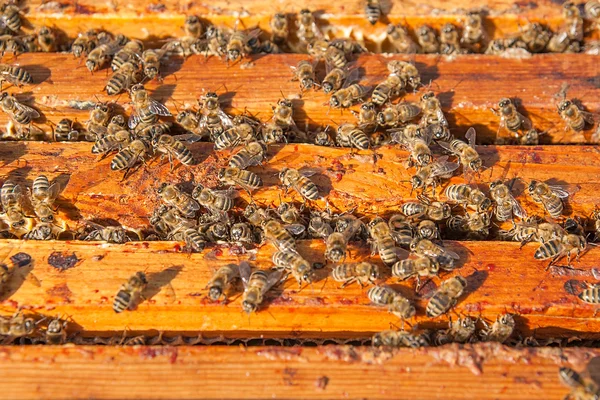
{"points": [[54, 190], [158, 108], [443, 250], [518, 209], [273, 279], [296, 229], [401, 253], [446, 146], [308, 172], [564, 191], [526, 122], [443, 168], [33, 113], [225, 119], [134, 120], [588, 117], [441, 117], [244, 270], [471, 135]]}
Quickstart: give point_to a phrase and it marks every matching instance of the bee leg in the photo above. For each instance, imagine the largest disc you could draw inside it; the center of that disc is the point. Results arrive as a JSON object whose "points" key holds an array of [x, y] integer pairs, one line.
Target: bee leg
{"points": [[349, 281]]}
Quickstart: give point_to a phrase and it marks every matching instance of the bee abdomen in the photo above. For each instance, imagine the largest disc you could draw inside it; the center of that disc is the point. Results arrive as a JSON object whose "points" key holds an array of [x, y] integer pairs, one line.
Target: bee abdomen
{"points": [[116, 83], [122, 301], [373, 12], [122, 160], [547, 250], [310, 190], [439, 304], [591, 295], [184, 155]]}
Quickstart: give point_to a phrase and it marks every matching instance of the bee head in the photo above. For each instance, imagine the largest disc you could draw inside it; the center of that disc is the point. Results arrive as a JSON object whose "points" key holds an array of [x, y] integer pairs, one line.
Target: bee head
{"points": [[214, 293], [327, 87], [532, 185], [377, 340], [506, 319], [564, 105], [334, 101], [447, 28], [142, 277], [118, 236], [504, 103], [18, 224], [162, 187], [476, 164], [461, 280], [29, 325], [222, 173], [381, 119], [374, 273], [416, 182], [233, 54], [249, 307], [91, 65], [49, 218], [192, 19]]}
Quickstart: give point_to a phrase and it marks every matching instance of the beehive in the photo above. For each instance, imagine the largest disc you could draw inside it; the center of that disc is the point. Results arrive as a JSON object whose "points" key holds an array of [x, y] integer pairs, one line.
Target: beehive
{"points": [[188, 351]]}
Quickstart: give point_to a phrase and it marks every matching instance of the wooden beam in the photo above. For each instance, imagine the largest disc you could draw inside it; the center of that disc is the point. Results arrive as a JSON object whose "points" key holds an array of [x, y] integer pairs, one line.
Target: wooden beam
{"points": [[544, 302], [483, 371], [348, 179]]}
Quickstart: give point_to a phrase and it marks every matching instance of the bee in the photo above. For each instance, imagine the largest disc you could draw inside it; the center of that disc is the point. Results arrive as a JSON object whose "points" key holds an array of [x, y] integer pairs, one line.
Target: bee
{"points": [[574, 117], [256, 285], [391, 87], [15, 75], [43, 231], [510, 118], [109, 234], [10, 18], [383, 242], [476, 225], [425, 208], [550, 196], [401, 229], [64, 131], [213, 118], [290, 260], [167, 144], [17, 261], [146, 109], [336, 245], [247, 180], [348, 135], [56, 332], [367, 117], [536, 37], [221, 281], [471, 196], [432, 110], [363, 273], [573, 21], [347, 96], [592, 9], [300, 182], [561, 246], [151, 62], [446, 296], [12, 44], [450, 40], [242, 233], [43, 195], [335, 58], [130, 292], [307, 30], [500, 330], [151, 133], [399, 113], [18, 112], [425, 247], [46, 40], [473, 32], [420, 153], [272, 133], [283, 114], [278, 235], [216, 201], [11, 198], [237, 45], [420, 266], [400, 39], [191, 122], [373, 11], [532, 137], [469, 157], [112, 142], [279, 28], [580, 389], [254, 153], [288, 213], [17, 326], [398, 305], [129, 156], [192, 26], [96, 125], [428, 40], [129, 53], [459, 331], [84, 43], [101, 55], [217, 232], [397, 339], [596, 218], [319, 227], [335, 79], [506, 204], [125, 76], [431, 174], [171, 195]]}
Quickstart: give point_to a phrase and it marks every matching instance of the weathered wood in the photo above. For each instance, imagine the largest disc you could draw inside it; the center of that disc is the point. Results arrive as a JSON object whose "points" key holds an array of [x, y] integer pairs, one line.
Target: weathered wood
{"points": [[348, 180], [479, 372], [501, 278], [468, 87]]}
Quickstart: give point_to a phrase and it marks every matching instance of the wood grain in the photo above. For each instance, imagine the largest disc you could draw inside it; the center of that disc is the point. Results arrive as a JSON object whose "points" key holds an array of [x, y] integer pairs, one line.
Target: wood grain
{"points": [[349, 180], [478, 372], [501, 278]]}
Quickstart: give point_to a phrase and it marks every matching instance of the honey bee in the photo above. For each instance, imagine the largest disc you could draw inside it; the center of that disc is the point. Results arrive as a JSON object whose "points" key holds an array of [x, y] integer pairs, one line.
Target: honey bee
{"points": [[272, 133], [256, 285], [288, 213], [550, 196], [432, 110], [101, 54], [319, 226], [242, 233], [383, 242], [254, 153], [84, 43], [425, 208], [56, 332], [216, 201], [431, 174], [476, 225], [146, 109], [221, 281], [401, 229], [279, 28], [307, 30], [532, 138], [536, 37], [473, 32], [561, 246], [592, 9], [400, 39], [471, 196], [192, 26], [151, 62], [573, 21], [65, 131], [112, 142], [399, 113], [129, 53], [427, 39], [510, 118], [46, 39], [278, 235], [336, 77], [500, 330], [283, 114], [391, 87], [419, 267], [363, 273], [450, 40], [347, 96], [109, 234], [580, 389], [213, 118], [398, 305], [336, 245], [335, 58], [506, 204], [290, 260], [125, 76], [167, 144], [129, 156], [237, 45], [44, 231], [469, 157], [367, 117], [216, 232], [425, 247], [300, 182], [130, 292], [151, 133], [420, 153], [43, 195], [459, 331], [348, 135], [96, 125], [17, 261], [11, 198], [446, 296], [15, 75], [12, 44], [18, 112], [10, 18], [575, 118], [183, 202], [304, 72], [17, 326], [397, 339], [373, 11], [247, 180]]}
